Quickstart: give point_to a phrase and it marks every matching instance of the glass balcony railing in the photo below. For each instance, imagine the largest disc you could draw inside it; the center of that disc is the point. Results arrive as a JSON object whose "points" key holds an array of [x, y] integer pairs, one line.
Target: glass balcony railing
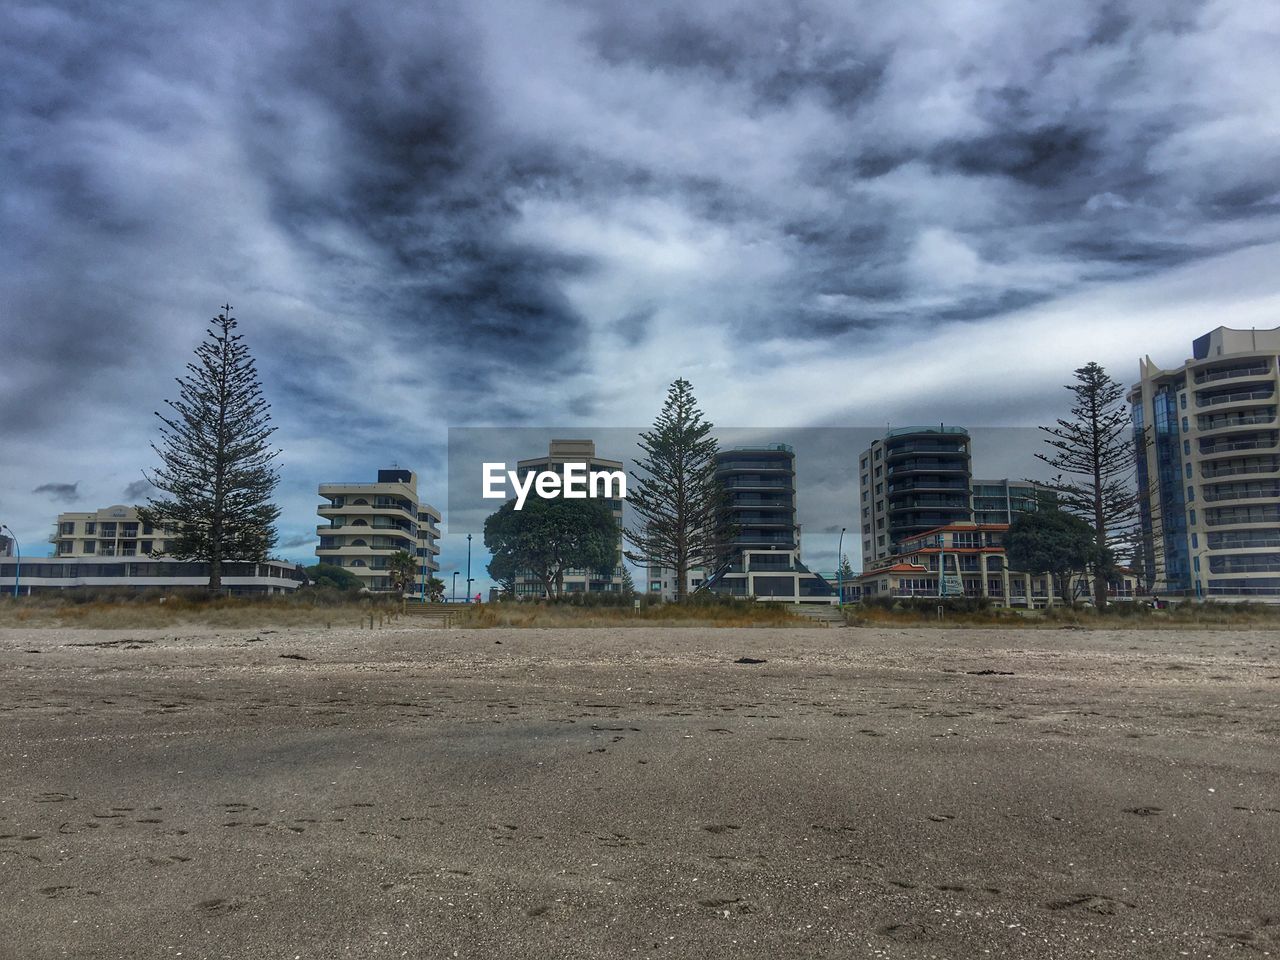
{"points": [[1213, 376], [1240, 397]]}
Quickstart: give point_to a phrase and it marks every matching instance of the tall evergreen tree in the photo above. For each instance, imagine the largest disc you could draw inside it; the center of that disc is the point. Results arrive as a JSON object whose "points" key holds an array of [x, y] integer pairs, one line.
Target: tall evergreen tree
{"points": [[216, 460], [1095, 454], [680, 505]]}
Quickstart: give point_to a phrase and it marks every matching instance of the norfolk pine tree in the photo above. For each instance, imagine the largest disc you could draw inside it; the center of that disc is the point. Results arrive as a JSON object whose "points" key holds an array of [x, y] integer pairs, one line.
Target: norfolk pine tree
{"points": [[680, 504], [1096, 451], [216, 461]]}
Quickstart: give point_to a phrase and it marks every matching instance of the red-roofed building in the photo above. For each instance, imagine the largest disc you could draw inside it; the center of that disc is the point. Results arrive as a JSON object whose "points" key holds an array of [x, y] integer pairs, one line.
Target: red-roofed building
{"points": [[966, 559]]}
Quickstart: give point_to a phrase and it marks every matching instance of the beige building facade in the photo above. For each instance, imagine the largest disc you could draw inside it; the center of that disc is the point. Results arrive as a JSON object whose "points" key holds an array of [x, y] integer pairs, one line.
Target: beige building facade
{"points": [[368, 523], [110, 532]]}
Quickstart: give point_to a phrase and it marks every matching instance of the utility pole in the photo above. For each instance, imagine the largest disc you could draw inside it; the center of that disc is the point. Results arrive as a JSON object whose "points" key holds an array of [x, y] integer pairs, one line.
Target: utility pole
{"points": [[468, 568]]}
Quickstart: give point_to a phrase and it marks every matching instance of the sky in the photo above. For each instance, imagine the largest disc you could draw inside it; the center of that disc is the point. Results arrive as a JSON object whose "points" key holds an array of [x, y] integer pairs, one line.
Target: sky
{"points": [[537, 213]]}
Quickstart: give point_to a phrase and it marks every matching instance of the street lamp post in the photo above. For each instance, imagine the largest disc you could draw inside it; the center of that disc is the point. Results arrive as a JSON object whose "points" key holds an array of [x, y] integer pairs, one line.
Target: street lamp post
{"points": [[17, 573], [468, 568], [840, 566]]}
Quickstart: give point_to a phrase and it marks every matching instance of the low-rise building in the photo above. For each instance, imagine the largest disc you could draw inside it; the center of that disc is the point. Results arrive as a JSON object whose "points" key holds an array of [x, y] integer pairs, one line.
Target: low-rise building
{"points": [[369, 523], [968, 559], [136, 573]]}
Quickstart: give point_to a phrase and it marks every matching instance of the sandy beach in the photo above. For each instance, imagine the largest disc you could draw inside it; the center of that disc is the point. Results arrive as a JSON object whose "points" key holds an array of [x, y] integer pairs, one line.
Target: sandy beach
{"points": [[410, 792]]}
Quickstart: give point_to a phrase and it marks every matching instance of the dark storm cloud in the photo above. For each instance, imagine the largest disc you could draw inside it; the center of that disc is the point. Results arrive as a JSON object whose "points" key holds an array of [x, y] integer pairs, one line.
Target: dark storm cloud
{"points": [[137, 490], [59, 492]]}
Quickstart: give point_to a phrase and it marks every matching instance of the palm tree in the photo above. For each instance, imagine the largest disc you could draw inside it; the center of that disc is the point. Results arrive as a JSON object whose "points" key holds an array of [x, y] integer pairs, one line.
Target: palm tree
{"points": [[403, 570]]}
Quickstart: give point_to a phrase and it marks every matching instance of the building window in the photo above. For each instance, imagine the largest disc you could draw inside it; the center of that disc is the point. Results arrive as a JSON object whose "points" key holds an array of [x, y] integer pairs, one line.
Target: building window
{"points": [[66, 528], [90, 528], [90, 546]]}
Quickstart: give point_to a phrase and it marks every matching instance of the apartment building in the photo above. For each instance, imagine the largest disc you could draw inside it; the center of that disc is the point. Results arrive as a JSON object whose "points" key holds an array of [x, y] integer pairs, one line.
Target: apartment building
{"points": [[765, 558], [1208, 449], [911, 480], [968, 559], [560, 452], [999, 501], [368, 523], [110, 532]]}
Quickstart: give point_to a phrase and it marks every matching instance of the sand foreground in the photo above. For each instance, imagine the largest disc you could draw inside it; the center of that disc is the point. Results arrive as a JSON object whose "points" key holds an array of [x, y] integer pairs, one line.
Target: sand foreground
{"points": [[635, 792]]}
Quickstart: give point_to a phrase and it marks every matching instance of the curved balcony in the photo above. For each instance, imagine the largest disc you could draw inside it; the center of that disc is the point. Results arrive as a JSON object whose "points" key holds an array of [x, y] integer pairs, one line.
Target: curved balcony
{"points": [[1244, 540], [958, 465], [1227, 398], [1243, 418], [1243, 467], [949, 504], [949, 450], [756, 483], [1247, 563], [1252, 370], [927, 483], [1242, 516], [757, 466], [1220, 493], [1237, 444]]}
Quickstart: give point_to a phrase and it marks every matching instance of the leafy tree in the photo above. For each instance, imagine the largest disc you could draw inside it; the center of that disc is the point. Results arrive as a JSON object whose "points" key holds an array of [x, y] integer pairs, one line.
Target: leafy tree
{"points": [[328, 575], [402, 570], [503, 570], [680, 504], [549, 537], [216, 461], [1095, 451], [1054, 542]]}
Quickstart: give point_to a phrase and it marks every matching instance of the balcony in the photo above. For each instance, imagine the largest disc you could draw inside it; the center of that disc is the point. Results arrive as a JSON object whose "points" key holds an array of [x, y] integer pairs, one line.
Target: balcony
{"points": [[1231, 373], [1266, 441], [931, 465], [1246, 467], [758, 466], [922, 483], [762, 483], [1241, 516], [1250, 563], [904, 449], [1228, 491], [1243, 396], [930, 503], [1265, 415]]}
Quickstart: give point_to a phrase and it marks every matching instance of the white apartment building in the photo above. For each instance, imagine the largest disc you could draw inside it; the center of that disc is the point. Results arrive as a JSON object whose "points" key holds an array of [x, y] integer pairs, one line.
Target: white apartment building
{"points": [[368, 523], [1209, 468]]}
